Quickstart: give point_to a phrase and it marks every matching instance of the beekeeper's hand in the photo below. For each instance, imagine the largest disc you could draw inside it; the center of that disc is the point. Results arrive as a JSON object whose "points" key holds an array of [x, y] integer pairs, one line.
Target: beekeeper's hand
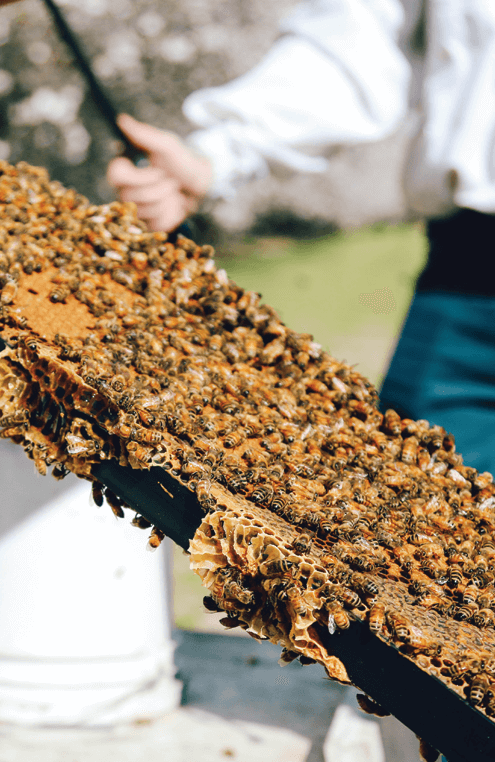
{"points": [[171, 187]]}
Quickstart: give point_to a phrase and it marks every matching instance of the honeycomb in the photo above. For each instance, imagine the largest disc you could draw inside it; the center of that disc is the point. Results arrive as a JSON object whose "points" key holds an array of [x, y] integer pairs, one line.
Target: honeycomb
{"points": [[319, 510]]}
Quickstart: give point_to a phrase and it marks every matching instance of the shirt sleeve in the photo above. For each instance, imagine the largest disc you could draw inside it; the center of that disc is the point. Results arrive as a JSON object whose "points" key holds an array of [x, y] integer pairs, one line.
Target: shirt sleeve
{"points": [[335, 77], [452, 163]]}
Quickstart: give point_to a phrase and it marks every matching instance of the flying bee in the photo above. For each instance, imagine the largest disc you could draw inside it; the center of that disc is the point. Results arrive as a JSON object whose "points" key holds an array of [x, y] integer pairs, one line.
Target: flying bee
{"points": [[302, 544], [274, 568]]}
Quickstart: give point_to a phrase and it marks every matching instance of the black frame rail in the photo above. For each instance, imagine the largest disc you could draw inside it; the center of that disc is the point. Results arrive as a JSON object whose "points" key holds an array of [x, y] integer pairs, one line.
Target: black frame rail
{"points": [[421, 701]]}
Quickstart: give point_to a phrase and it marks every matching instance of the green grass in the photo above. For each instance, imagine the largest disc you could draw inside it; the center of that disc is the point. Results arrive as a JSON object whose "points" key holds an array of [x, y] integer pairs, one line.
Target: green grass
{"points": [[350, 290]]}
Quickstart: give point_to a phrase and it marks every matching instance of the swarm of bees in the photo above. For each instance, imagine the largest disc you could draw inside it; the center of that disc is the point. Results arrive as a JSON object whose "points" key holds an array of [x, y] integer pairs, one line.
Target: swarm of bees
{"points": [[319, 509]]}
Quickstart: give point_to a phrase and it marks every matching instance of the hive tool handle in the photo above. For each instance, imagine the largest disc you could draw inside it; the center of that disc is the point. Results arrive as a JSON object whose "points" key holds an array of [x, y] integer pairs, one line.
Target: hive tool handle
{"points": [[100, 98]]}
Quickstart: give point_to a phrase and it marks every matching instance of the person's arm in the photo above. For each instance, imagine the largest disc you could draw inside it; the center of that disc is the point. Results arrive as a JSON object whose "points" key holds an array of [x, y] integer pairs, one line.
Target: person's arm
{"points": [[336, 77]]}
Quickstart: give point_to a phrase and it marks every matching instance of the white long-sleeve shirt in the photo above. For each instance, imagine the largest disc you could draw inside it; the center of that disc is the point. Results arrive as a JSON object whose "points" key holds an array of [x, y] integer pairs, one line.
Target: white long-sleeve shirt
{"points": [[337, 76]]}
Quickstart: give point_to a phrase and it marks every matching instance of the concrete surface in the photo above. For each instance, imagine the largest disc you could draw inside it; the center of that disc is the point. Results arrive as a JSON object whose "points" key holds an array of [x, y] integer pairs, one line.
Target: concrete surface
{"points": [[237, 704]]}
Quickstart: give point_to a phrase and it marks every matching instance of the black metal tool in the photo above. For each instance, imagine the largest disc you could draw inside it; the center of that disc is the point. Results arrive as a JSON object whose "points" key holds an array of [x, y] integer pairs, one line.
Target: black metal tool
{"points": [[105, 105], [421, 701], [100, 97]]}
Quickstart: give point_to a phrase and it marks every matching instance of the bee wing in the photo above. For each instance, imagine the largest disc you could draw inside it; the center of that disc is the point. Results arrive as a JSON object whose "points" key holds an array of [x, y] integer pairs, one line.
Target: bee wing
{"points": [[332, 627]]}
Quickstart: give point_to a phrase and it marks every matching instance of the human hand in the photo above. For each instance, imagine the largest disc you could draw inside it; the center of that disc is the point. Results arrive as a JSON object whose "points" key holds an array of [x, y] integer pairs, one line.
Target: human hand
{"points": [[7, 2], [171, 187]]}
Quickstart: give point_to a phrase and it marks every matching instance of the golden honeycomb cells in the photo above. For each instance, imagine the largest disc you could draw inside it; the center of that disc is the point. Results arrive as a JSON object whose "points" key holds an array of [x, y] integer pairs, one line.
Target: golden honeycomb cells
{"points": [[318, 510]]}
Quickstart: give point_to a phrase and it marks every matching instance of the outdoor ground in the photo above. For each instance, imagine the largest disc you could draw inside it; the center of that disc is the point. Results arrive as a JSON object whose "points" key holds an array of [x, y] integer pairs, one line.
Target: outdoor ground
{"points": [[351, 290]]}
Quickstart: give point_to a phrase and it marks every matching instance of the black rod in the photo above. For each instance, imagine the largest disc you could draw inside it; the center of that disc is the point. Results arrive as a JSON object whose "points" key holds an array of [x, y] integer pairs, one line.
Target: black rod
{"points": [[100, 98]]}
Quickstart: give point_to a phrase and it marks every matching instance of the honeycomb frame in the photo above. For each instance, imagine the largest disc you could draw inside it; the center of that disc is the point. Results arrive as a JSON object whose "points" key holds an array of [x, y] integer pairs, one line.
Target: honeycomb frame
{"points": [[317, 511]]}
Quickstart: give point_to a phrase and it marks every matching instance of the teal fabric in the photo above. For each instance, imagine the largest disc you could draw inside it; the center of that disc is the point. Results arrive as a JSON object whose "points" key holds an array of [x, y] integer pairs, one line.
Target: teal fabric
{"points": [[444, 370]]}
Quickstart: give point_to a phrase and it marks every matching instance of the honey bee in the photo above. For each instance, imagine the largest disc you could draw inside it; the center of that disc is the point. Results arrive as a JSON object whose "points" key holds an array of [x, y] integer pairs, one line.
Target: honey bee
{"points": [[203, 494], [435, 437], [9, 291], [349, 598], [377, 618], [236, 482], [263, 494], [338, 618], [470, 594], [410, 450], [155, 539], [392, 422], [371, 707], [60, 293], [459, 668], [418, 641], [234, 439], [97, 493], [296, 600], [302, 544], [400, 626], [455, 576], [141, 455], [363, 583], [426, 752], [465, 612], [431, 601], [18, 418], [484, 618], [140, 522], [274, 568], [211, 605], [233, 589]]}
